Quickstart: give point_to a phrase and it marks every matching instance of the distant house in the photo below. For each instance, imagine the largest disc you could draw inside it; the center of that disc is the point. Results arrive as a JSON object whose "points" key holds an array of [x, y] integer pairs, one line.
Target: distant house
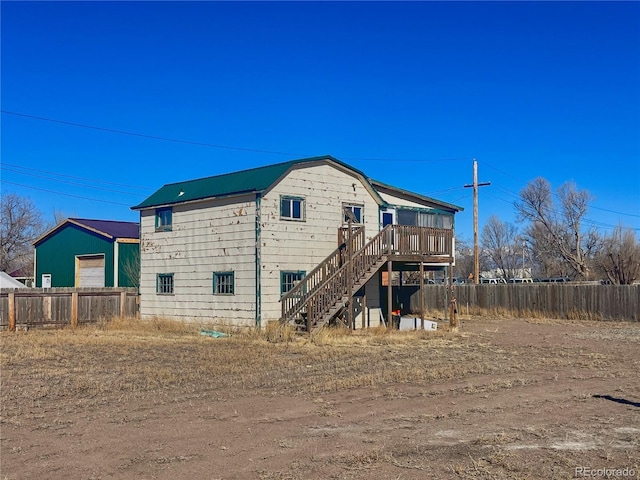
{"points": [[7, 281], [88, 253], [274, 243], [24, 275]]}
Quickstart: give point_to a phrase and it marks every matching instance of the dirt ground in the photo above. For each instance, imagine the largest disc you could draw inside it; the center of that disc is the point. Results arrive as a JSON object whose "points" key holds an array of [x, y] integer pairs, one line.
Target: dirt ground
{"points": [[500, 399]]}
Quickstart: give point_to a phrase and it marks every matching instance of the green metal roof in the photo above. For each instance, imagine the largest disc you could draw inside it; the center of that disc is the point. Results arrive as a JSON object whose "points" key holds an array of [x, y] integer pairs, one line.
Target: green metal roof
{"points": [[245, 181]]}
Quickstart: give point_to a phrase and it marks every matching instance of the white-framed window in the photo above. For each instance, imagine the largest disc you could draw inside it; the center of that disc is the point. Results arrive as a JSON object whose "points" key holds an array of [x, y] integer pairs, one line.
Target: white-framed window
{"points": [[356, 210], [164, 219], [223, 283], [292, 208], [164, 284]]}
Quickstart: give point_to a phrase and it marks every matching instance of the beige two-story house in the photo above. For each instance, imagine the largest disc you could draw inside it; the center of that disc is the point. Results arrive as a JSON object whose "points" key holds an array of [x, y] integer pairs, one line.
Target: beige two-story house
{"points": [[297, 241]]}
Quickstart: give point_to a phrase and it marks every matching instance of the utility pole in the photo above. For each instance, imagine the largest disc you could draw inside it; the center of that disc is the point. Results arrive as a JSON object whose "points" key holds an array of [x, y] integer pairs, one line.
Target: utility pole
{"points": [[476, 252]]}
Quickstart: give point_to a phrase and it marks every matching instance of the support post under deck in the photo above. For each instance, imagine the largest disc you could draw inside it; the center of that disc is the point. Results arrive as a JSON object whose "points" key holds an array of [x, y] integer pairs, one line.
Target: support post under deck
{"points": [[421, 295], [453, 318], [389, 295]]}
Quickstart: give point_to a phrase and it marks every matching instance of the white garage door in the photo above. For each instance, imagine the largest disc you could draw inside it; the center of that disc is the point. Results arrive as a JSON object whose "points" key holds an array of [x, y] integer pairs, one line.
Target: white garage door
{"points": [[90, 271]]}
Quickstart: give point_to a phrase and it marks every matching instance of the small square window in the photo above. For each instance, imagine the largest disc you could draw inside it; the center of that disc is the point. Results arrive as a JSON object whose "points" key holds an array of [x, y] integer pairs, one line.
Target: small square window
{"points": [[223, 283], [164, 284], [292, 208], [288, 280], [164, 219]]}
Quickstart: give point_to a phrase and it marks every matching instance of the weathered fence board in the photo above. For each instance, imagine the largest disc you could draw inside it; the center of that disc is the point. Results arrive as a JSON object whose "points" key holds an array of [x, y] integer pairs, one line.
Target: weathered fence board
{"points": [[551, 300], [55, 306]]}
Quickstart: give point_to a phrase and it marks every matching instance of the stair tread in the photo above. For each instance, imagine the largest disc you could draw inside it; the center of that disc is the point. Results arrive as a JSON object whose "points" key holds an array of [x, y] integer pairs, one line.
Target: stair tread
{"points": [[341, 300]]}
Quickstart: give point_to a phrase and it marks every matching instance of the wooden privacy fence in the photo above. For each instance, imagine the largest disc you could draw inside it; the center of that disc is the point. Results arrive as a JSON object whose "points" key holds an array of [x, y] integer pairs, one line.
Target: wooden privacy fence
{"points": [[550, 300], [64, 306]]}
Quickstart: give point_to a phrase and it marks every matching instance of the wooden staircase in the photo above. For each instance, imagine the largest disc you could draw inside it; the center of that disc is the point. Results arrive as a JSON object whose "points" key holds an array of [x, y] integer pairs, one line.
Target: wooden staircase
{"points": [[326, 292]]}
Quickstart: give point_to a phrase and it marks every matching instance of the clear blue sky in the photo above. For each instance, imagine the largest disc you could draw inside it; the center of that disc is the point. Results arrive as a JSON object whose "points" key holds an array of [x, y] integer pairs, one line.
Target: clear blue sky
{"points": [[409, 93]]}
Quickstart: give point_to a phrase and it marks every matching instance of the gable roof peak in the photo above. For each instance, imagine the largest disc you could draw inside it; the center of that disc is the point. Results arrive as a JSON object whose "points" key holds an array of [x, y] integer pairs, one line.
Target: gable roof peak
{"points": [[252, 180], [111, 229]]}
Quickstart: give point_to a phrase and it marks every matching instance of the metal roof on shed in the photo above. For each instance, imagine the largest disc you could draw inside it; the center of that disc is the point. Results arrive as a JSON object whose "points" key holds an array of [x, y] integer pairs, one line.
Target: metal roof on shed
{"points": [[113, 228], [110, 229]]}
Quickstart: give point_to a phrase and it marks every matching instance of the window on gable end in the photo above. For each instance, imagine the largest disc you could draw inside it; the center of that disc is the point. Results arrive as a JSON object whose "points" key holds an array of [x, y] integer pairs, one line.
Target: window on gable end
{"points": [[164, 219], [292, 208], [356, 210]]}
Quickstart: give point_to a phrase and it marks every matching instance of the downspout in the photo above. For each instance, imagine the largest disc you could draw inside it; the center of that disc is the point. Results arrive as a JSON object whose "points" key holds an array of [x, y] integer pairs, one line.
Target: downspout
{"points": [[258, 262], [35, 267], [116, 261]]}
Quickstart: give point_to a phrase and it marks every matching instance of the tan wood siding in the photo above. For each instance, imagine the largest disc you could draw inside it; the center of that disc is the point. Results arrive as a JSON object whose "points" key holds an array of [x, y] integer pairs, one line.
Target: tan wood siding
{"points": [[294, 245], [206, 237]]}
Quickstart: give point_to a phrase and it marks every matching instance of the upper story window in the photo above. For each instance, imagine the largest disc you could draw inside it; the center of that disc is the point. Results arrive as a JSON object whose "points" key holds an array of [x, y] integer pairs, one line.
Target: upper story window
{"points": [[223, 283], [164, 219], [356, 210], [446, 221], [292, 208], [425, 219]]}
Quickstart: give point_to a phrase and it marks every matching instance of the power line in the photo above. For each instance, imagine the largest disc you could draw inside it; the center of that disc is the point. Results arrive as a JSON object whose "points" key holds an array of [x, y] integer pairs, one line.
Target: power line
{"points": [[586, 221], [226, 147], [555, 211], [614, 211], [443, 191], [70, 183], [144, 135], [73, 176], [409, 160], [501, 199], [65, 194], [556, 195], [466, 195]]}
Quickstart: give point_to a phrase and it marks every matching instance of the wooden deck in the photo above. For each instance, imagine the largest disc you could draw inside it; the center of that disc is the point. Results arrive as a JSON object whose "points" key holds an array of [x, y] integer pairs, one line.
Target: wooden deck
{"points": [[327, 289]]}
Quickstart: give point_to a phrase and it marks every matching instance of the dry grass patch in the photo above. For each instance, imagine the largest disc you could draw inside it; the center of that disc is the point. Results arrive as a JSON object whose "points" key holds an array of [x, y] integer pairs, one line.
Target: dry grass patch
{"points": [[121, 358], [124, 357], [512, 396], [152, 326]]}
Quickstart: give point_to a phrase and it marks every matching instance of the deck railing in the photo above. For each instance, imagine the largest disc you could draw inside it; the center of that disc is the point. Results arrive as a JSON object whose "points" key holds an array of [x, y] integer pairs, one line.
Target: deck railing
{"points": [[339, 276], [410, 240]]}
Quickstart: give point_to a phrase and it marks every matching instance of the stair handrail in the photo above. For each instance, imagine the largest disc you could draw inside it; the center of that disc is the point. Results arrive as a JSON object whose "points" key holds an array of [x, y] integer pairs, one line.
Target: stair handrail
{"points": [[320, 274], [336, 287], [392, 239], [296, 299]]}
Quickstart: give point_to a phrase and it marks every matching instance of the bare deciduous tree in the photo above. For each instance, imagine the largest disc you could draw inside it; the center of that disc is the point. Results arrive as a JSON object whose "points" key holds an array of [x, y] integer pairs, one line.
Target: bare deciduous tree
{"points": [[58, 217], [556, 230], [22, 223], [618, 257], [545, 261], [499, 243], [464, 259], [131, 269]]}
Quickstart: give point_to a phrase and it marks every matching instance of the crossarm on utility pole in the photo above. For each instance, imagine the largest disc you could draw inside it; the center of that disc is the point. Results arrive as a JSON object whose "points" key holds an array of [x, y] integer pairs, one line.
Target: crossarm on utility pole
{"points": [[476, 252]]}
